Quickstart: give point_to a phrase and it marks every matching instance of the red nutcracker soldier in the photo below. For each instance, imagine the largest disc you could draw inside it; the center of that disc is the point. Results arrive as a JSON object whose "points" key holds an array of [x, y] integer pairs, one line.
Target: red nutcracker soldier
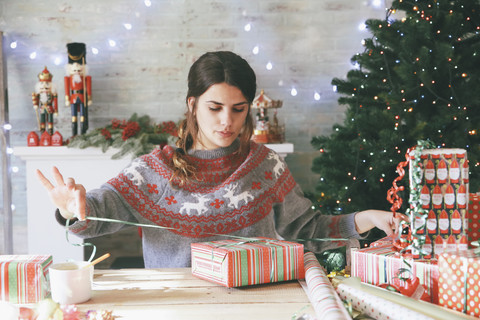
{"points": [[78, 87], [44, 101]]}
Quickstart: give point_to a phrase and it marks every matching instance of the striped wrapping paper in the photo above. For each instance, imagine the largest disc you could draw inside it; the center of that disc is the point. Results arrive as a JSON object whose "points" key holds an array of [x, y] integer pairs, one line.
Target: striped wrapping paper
{"points": [[235, 263], [24, 278], [321, 293], [380, 264]]}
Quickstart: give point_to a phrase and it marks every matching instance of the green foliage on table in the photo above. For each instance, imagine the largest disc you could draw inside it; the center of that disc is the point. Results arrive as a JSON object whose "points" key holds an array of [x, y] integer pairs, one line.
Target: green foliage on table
{"points": [[135, 136]]}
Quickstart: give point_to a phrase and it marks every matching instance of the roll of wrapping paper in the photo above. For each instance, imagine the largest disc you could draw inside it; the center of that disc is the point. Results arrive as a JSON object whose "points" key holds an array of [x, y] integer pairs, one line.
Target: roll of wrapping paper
{"points": [[376, 307], [421, 309], [322, 295]]}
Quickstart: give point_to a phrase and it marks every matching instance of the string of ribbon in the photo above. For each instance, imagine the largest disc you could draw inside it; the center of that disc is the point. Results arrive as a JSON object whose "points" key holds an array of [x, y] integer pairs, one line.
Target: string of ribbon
{"points": [[413, 241], [143, 225], [82, 244]]}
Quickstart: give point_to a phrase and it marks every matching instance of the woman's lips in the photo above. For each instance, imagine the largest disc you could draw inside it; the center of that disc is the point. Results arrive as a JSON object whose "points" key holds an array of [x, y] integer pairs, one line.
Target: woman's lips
{"points": [[225, 134]]}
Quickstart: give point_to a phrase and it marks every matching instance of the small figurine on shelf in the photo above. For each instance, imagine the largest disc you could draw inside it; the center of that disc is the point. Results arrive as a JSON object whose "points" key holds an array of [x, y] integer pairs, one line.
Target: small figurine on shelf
{"points": [[32, 139], [45, 139], [78, 87], [266, 132], [57, 139], [45, 101]]}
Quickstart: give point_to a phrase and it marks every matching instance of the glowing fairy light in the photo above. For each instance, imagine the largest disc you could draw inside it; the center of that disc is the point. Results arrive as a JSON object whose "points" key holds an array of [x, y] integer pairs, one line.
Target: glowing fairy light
{"points": [[316, 96], [269, 66], [147, 3], [57, 61], [247, 27], [33, 55], [293, 92], [13, 44], [362, 26], [94, 50], [127, 26], [255, 50], [112, 43], [334, 88]]}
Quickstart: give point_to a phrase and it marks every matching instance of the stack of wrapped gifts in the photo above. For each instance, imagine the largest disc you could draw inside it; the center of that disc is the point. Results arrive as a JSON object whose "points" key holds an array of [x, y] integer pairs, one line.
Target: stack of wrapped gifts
{"points": [[447, 272], [437, 281]]}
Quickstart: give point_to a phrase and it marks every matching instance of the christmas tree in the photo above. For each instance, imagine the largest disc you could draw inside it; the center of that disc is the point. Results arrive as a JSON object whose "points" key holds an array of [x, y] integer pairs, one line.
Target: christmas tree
{"points": [[418, 79]]}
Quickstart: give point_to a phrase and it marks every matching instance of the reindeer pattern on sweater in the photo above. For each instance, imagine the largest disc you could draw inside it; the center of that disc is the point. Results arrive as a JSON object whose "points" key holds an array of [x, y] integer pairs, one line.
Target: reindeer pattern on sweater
{"points": [[245, 194]]}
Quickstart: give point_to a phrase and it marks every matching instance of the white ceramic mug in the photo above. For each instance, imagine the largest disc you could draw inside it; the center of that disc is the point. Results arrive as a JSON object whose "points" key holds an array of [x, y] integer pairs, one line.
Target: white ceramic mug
{"points": [[71, 282]]}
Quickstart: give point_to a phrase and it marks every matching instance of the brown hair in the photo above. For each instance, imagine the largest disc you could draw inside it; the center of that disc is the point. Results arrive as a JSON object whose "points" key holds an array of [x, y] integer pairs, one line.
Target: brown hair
{"points": [[212, 68]]}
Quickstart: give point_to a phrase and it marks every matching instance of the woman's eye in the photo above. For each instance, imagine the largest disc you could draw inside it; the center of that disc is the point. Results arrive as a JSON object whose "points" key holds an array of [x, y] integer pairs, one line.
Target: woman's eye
{"points": [[215, 108], [239, 110]]}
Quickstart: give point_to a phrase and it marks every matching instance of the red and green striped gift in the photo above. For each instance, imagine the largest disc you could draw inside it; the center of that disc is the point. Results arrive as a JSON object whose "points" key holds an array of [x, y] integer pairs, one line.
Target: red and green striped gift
{"points": [[24, 278], [381, 264], [236, 263]]}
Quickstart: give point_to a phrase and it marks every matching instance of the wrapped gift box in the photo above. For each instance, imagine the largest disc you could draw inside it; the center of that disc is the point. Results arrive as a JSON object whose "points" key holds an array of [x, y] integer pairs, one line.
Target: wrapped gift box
{"points": [[381, 264], [235, 263], [459, 281], [444, 194], [24, 278], [473, 216]]}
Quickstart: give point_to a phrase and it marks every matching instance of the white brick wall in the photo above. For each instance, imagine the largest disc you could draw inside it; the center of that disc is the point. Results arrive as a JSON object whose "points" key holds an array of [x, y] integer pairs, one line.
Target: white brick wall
{"points": [[309, 42]]}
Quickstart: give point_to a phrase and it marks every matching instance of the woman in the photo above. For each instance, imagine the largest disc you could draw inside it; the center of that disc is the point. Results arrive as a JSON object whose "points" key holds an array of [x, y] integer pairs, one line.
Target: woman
{"points": [[216, 182]]}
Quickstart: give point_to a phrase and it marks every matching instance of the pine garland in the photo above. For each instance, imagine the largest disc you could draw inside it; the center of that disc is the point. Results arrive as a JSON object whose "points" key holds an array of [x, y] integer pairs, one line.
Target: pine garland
{"points": [[135, 136]]}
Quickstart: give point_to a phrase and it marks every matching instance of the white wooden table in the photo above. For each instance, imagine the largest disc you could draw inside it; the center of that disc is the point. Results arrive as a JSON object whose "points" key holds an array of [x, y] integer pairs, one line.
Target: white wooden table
{"points": [[176, 294]]}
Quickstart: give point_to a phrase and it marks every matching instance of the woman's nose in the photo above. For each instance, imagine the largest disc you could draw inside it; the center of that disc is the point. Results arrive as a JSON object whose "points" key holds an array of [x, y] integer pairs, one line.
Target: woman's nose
{"points": [[227, 118]]}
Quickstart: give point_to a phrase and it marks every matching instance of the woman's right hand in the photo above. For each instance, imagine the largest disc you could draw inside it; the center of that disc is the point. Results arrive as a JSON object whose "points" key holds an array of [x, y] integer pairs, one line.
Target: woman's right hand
{"points": [[68, 197]]}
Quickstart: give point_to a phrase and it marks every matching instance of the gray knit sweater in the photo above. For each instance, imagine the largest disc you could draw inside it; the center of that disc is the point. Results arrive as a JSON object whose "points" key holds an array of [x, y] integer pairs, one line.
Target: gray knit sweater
{"points": [[250, 194]]}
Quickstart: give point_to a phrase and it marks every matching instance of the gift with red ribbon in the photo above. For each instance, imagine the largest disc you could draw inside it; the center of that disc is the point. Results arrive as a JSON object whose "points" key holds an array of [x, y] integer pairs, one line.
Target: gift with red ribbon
{"points": [[382, 264], [409, 287], [438, 186]]}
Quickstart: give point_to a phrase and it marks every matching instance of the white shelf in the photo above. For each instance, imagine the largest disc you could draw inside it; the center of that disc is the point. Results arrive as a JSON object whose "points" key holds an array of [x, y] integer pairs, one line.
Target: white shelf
{"points": [[90, 167], [283, 149]]}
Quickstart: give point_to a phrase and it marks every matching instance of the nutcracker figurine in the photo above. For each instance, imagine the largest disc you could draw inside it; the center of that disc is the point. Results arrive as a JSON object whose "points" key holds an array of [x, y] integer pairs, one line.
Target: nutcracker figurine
{"points": [[44, 101], [78, 87]]}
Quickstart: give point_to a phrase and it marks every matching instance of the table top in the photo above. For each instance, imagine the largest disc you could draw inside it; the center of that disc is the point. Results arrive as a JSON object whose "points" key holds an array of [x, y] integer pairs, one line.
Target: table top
{"points": [[177, 294]]}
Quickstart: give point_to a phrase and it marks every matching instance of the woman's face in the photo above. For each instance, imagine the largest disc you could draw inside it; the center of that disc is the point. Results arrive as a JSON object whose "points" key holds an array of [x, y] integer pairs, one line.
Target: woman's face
{"points": [[220, 114]]}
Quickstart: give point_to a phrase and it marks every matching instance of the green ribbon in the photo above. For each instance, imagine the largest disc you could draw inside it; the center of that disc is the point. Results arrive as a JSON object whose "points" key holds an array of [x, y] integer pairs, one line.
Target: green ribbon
{"points": [[83, 244], [245, 239], [209, 233], [415, 209]]}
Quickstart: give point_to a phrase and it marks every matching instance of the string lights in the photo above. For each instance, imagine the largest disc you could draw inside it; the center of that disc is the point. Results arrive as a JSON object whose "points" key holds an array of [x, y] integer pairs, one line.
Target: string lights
{"points": [[248, 27], [427, 89]]}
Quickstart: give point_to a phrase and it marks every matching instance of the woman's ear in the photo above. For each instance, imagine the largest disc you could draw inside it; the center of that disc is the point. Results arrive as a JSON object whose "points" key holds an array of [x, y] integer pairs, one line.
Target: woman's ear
{"points": [[191, 103]]}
